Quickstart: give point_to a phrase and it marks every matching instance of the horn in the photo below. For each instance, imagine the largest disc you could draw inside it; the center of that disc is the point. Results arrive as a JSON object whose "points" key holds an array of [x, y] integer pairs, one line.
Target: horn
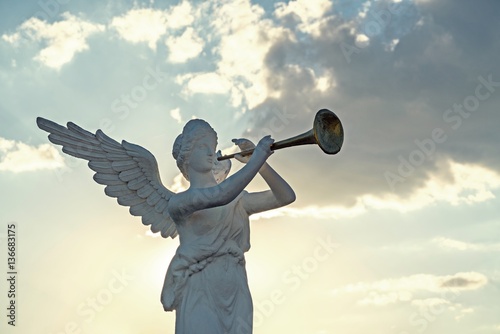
{"points": [[327, 133]]}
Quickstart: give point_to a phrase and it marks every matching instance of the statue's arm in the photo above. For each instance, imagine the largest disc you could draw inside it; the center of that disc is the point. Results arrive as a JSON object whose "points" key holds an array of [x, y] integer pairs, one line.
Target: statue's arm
{"points": [[194, 199], [280, 193]]}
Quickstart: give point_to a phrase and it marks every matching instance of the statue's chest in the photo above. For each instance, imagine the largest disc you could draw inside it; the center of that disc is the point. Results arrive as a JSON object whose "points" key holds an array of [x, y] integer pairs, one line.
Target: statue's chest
{"points": [[205, 221]]}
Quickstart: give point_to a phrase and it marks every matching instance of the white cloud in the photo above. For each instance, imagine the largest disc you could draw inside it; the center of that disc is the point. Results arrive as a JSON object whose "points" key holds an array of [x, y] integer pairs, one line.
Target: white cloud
{"points": [[404, 289], [245, 38], [309, 13], [141, 25], [364, 9], [323, 83], [176, 114], [204, 83], [19, 157], [465, 184], [147, 25], [429, 302], [188, 45], [450, 244], [362, 41], [63, 39], [464, 311], [179, 184], [392, 45], [12, 39], [380, 299], [181, 15]]}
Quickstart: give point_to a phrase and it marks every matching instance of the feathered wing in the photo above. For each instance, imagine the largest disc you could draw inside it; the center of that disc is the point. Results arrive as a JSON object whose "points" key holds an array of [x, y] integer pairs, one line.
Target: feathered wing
{"points": [[129, 172]]}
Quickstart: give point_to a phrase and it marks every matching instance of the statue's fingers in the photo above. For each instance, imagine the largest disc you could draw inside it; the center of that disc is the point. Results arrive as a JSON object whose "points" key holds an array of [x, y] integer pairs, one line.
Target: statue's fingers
{"points": [[242, 143], [239, 157]]}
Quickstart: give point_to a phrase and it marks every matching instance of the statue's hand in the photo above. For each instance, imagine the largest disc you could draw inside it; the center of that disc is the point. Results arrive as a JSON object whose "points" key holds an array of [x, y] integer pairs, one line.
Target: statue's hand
{"points": [[243, 144], [264, 146]]}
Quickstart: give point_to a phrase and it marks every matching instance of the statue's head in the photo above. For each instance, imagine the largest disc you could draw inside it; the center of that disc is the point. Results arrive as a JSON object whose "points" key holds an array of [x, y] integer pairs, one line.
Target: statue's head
{"points": [[194, 131]]}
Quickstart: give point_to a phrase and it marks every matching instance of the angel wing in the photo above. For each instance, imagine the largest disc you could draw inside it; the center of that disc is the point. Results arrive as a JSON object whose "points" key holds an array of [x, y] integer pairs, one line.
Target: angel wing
{"points": [[129, 172]]}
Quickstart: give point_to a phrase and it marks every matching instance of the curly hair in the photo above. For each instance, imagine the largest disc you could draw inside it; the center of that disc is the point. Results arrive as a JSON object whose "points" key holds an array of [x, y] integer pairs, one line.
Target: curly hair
{"points": [[193, 131]]}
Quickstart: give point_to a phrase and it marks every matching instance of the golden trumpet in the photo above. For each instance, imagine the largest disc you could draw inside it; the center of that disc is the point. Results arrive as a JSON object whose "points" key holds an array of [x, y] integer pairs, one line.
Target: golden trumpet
{"points": [[327, 133]]}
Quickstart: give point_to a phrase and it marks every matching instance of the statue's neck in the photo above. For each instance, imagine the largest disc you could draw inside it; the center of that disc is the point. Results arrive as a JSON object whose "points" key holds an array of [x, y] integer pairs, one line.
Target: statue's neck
{"points": [[201, 180]]}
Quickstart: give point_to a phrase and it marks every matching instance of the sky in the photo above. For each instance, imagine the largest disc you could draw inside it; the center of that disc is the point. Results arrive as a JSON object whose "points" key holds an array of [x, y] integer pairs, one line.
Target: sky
{"points": [[399, 233]]}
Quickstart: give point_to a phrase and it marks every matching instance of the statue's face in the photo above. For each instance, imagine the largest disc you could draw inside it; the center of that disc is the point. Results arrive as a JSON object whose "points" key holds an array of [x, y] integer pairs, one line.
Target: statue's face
{"points": [[202, 156]]}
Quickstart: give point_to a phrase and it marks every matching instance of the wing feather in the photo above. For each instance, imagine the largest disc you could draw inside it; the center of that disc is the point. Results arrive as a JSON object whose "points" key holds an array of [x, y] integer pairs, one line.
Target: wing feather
{"points": [[130, 199], [101, 166], [131, 174], [154, 198], [159, 224], [121, 166], [161, 206], [138, 183], [51, 127], [72, 142], [117, 156], [112, 149], [145, 191], [103, 138], [107, 179], [170, 230], [140, 209], [82, 154], [150, 218], [89, 136], [117, 190]]}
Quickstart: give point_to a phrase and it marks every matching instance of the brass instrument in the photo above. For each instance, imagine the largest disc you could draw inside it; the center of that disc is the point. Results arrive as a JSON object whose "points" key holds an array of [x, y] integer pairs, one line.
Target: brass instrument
{"points": [[327, 133]]}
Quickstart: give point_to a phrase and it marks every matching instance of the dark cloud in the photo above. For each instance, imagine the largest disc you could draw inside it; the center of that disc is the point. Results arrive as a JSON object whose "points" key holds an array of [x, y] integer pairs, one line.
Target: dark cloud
{"points": [[388, 100], [460, 282]]}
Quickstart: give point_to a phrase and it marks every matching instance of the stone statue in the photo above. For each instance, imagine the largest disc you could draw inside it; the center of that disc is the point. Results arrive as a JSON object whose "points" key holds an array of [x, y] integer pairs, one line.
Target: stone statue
{"points": [[206, 282]]}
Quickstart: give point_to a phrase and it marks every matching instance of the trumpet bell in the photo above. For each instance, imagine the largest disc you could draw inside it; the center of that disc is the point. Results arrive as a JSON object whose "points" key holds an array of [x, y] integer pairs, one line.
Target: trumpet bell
{"points": [[328, 131]]}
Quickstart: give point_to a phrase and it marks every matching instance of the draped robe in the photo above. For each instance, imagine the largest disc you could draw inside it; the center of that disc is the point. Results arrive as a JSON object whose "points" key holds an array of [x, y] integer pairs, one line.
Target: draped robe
{"points": [[206, 282]]}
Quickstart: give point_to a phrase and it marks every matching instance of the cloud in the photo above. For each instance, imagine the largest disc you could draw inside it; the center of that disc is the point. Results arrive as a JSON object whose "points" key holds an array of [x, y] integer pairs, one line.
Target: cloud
{"points": [[141, 25], [176, 114], [388, 95], [179, 184], [429, 302], [204, 83], [244, 37], [451, 244], [308, 13], [362, 41], [456, 184], [19, 157], [148, 25], [469, 282], [63, 39], [12, 38], [181, 15], [437, 305], [188, 45], [405, 289]]}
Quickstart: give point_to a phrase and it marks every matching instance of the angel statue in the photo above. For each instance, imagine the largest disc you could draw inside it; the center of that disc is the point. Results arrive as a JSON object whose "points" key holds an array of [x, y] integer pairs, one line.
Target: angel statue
{"points": [[206, 282]]}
